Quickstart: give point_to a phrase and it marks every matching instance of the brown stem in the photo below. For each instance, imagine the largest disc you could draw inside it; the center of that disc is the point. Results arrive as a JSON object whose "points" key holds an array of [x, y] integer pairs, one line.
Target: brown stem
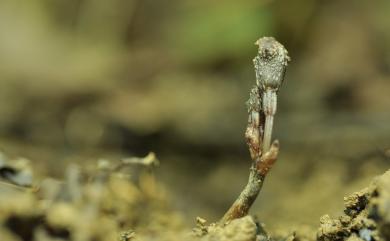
{"points": [[258, 172], [261, 164]]}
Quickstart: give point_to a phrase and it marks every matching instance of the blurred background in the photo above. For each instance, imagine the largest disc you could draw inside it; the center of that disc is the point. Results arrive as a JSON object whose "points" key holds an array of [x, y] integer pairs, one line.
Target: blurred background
{"points": [[85, 79]]}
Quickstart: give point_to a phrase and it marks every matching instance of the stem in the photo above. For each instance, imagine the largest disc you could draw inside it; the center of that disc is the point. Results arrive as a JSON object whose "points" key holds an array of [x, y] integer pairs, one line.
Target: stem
{"points": [[258, 172], [261, 161], [246, 198], [269, 101], [269, 121]]}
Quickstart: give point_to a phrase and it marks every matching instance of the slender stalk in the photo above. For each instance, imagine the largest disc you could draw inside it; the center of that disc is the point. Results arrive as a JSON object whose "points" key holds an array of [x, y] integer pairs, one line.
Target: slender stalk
{"points": [[246, 198], [269, 101], [248, 195], [269, 122]]}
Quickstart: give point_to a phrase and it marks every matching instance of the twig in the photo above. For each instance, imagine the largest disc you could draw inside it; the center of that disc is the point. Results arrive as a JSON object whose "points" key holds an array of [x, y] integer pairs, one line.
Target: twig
{"points": [[149, 161], [270, 65]]}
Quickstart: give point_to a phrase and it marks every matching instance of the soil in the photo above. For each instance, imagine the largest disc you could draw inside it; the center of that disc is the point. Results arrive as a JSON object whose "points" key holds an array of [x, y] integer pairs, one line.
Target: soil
{"points": [[112, 201]]}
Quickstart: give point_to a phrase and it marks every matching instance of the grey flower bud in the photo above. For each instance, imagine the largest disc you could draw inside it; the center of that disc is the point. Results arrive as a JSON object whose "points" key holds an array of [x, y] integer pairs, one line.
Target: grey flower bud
{"points": [[270, 63]]}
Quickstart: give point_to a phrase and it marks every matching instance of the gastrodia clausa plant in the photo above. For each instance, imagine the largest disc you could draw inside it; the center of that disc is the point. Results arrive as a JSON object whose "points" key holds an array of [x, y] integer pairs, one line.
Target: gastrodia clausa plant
{"points": [[270, 67]]}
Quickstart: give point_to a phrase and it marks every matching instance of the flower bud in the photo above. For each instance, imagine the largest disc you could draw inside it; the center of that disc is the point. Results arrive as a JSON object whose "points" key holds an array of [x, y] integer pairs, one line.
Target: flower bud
{"points": [[270, 63]]}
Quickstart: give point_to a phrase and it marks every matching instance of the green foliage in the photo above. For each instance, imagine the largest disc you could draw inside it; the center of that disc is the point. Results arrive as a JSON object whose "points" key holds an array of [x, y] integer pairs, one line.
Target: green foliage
{"points": [[215, 31]]}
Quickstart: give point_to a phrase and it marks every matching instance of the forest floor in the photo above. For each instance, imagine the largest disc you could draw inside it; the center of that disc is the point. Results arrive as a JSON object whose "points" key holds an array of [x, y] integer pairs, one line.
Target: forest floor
{"points": [[126, 200]]}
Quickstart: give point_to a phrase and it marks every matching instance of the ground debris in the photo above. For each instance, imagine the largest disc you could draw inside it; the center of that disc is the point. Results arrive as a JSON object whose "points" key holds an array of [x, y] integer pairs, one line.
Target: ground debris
{"points": [[125, 204], [127, 235], [99, 205], [241, 229], [367, 215], [17, 172]]}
